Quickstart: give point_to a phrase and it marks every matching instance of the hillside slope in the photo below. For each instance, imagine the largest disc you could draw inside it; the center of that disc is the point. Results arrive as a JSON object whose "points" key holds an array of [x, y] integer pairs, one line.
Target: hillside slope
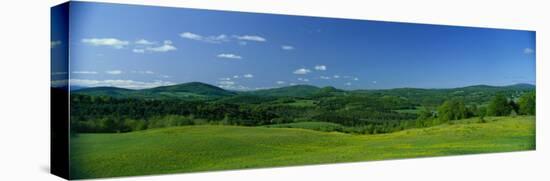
{"points": [[290, 91], [202, 148]]}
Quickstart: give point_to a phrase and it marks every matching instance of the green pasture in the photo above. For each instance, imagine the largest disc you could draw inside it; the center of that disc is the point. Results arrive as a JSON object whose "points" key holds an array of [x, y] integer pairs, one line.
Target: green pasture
{"points": [[208, 147]]}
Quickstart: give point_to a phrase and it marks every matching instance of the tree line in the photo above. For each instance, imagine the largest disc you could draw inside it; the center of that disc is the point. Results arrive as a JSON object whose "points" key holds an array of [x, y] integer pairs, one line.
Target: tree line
{"points": [[93, 114], [358, 113], [456, 109]]}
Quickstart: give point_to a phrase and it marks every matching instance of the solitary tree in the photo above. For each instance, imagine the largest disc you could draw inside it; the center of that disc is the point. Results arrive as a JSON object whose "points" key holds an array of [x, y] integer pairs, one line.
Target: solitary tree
{"points": [[499, 106], [453, 109]]}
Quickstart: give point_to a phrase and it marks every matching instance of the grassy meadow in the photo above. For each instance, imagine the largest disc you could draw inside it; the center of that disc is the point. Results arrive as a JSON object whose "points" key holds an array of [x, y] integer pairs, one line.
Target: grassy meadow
{"points": [[195, 126], [221, 147]]}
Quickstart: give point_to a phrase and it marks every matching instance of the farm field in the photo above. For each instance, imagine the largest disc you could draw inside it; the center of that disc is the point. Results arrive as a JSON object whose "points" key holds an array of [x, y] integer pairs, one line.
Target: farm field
{"points": [[217, 147]]}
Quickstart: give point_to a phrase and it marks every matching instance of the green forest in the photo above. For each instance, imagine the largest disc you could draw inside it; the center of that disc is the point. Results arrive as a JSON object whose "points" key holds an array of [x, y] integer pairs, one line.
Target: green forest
{"points": [[116, 110]]}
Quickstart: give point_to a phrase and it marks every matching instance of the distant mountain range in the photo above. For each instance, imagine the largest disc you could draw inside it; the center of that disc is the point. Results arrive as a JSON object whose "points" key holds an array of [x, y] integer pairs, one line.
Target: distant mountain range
{"points": [[192, 90], [202, 91]]}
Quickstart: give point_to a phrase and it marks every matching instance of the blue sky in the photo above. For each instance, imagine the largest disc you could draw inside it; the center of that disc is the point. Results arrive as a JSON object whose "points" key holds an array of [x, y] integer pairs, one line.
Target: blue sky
{"points": [[140, 47]]}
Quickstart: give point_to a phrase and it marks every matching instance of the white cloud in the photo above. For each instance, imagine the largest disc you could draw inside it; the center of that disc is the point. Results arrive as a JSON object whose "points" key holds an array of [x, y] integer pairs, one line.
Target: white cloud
{"points": [[374, 82], [144, 42], [229, 56], [129, 84], [320, 67], [219, 38], [136, 50], [84, 72], [287, 47], [292, 83], [302, 71], [303, 79], [114, 72], [280, 82], [191, 36], [209, 39], [111, 42], [163, 48], [241, 76], [250, 38], [222, 38], [348, 83], [167, 46], [346, 77], [324, 77], [528, 51], [165, 76], [226, 83], [144, 72], [231, 85], [146, 46], [54, 44], [234, 87]]}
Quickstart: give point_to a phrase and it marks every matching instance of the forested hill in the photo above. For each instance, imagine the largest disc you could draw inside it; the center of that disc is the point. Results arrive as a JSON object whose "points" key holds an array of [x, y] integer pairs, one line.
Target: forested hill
{"points": [[192, 90], [478, 94], [290, 91], [203, 91]]}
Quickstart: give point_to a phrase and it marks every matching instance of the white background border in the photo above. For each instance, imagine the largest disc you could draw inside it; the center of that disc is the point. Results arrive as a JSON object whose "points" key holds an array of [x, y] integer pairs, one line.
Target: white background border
{"points": [[25, 74]]}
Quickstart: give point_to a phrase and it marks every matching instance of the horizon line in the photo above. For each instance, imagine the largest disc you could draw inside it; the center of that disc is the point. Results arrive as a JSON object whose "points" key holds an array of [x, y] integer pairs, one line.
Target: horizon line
{"points": [[358, 89]]}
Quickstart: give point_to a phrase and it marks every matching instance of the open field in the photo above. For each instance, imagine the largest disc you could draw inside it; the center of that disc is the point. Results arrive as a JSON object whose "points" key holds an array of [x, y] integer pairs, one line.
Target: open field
{"points": [[317, 126], [206, 148]]}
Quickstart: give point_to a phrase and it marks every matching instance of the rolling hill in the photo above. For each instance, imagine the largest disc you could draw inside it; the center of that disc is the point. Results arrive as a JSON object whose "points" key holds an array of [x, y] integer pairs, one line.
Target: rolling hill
{"points": [[210, 147], [106, 91], [192, 90], [290, 91], [203, 91], [479, 94]]}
